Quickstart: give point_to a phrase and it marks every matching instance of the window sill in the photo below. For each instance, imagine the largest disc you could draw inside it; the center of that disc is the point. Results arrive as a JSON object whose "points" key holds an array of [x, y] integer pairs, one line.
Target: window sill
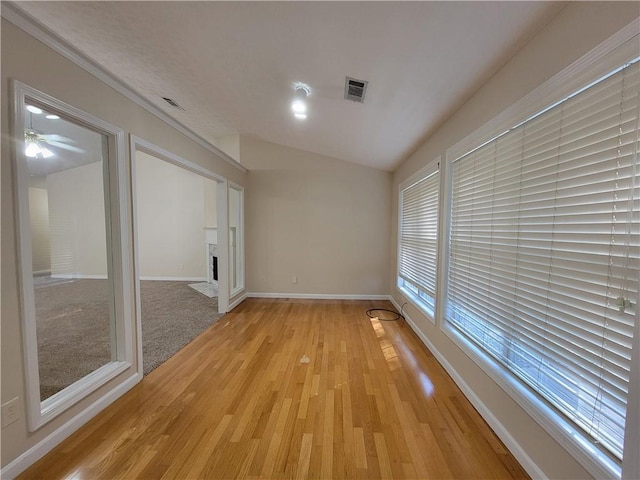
{"points": [[66, 398], [417, 302]]}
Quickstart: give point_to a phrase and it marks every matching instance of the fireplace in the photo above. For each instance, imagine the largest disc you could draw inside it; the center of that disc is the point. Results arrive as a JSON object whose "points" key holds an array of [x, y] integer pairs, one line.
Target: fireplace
{"points": [[211, 244], [212, 274], [214, 268]]}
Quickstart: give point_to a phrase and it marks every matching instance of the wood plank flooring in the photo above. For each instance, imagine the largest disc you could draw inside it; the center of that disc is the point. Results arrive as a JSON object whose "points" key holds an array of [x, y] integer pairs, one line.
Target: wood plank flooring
{"points": [[237, 403]]}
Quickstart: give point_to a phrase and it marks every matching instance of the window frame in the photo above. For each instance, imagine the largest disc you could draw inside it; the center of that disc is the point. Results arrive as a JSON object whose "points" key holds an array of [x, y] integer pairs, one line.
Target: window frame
{"points": [[41, 412], [240, 266], [618, 50], [431, 168]]}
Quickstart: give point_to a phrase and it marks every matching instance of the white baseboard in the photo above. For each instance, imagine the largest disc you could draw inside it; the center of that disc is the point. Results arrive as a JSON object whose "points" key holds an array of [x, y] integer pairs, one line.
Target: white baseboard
{"points": [[78, 276], [514, 447], [318, 296], [176, 279], [44, 446]]}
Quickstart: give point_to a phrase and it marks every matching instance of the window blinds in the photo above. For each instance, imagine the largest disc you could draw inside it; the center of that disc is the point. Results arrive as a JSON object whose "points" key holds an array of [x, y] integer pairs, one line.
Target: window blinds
{"points": [[419, 234], [544, 252]]}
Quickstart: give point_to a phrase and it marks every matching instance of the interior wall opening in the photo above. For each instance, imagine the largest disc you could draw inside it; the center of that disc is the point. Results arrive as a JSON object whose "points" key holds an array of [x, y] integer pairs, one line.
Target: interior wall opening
{"points": [[178, 255]]}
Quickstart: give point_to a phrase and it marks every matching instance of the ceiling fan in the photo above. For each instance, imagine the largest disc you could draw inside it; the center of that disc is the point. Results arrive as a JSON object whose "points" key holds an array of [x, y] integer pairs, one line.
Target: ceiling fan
{"points": [[36, 143]]}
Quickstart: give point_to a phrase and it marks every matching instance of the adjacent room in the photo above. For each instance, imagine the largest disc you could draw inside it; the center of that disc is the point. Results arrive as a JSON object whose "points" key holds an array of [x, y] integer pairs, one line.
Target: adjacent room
{"points": [[320, 240], [176, 212]]}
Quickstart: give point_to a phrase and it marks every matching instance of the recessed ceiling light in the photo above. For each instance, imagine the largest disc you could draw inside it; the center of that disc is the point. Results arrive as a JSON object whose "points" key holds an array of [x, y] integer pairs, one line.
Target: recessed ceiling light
{"points": [[33, 109], [53, 117], [298, 106]]}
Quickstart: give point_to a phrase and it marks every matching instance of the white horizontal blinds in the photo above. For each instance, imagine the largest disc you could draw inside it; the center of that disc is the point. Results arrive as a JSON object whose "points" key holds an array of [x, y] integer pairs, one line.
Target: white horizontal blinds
{"points": [[544, 241], [419, 233]]}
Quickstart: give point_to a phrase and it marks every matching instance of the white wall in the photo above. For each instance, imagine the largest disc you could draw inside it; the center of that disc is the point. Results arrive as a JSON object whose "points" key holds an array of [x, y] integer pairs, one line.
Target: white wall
{"points": [[320, 219], [77, 222], [39, 217], [171, 217], [210, 203], [576, 30], [229, 144], [174, 206]]}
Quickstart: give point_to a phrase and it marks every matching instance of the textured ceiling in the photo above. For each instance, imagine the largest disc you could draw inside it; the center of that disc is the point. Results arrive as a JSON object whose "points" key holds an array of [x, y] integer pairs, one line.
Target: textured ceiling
{"points": [[231, 65]]}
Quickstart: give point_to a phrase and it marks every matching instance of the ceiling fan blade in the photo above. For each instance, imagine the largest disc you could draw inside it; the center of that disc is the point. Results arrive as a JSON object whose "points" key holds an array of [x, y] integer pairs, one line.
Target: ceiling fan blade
{"points": [[57, 138], [65, 146]]}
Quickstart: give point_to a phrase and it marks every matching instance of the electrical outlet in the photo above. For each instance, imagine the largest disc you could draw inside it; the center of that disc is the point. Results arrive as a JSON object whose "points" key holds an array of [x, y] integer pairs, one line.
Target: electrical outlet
{"points": [[294, 279], [10, 412]]}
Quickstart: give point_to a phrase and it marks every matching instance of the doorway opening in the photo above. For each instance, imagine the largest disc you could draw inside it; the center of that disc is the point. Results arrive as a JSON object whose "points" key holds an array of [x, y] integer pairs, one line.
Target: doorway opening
{"points": [[178, 255]]}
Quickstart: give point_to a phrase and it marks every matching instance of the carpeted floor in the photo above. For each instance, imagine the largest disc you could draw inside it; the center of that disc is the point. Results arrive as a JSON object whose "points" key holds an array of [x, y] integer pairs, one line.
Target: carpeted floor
{"points": [[173, 314], [73, 326]]}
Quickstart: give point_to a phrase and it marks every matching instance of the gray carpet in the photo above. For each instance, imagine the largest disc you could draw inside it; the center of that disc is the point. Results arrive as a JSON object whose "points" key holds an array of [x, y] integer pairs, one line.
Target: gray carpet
{"points": [[173, 314], [73, 326]]}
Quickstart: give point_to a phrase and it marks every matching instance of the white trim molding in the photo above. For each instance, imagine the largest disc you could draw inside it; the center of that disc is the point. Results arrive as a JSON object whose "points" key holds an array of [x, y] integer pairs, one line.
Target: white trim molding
{"points": [[78, 276], [318, 296], [140, 144], [24, 21], [240, 229], [175, 279], [58, 403]]}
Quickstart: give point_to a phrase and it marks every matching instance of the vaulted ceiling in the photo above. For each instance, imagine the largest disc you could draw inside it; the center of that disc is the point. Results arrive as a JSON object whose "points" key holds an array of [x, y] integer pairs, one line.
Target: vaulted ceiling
{"points": [[232, 65]]}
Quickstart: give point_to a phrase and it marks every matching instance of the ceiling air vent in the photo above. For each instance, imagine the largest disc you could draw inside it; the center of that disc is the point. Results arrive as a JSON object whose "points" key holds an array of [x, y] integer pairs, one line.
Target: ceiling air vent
{"points": [[354, 89], [172, 102]]}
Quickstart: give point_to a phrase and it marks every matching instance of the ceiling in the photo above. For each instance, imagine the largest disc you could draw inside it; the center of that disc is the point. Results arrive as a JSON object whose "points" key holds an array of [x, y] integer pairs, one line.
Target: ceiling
{"points": [[232, 65]]}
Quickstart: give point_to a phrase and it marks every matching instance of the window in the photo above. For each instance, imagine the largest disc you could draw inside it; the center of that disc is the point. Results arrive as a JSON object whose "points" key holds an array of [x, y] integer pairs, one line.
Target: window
{"points": [[544, 251], [74, 276], [418, 241]]}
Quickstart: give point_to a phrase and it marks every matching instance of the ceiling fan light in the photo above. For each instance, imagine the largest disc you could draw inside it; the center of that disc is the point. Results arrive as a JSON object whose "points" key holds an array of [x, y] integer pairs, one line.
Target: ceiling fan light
{"points": [[32, 150], [33, 109], [46, 153], [52, 117], [300, 116]]}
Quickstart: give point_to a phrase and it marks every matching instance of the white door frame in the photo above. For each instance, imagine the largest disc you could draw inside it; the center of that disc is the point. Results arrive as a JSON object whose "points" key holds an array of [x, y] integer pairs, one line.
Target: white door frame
{"points": [[138, 144]]}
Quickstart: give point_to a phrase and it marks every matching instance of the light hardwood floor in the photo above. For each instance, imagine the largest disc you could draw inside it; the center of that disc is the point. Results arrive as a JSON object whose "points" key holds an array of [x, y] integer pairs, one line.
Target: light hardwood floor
{"points": [[238, 403]]}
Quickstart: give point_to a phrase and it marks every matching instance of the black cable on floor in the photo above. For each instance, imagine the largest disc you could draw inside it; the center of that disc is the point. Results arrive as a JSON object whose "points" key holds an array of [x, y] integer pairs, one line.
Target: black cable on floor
{"points": [[370, 314]]}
